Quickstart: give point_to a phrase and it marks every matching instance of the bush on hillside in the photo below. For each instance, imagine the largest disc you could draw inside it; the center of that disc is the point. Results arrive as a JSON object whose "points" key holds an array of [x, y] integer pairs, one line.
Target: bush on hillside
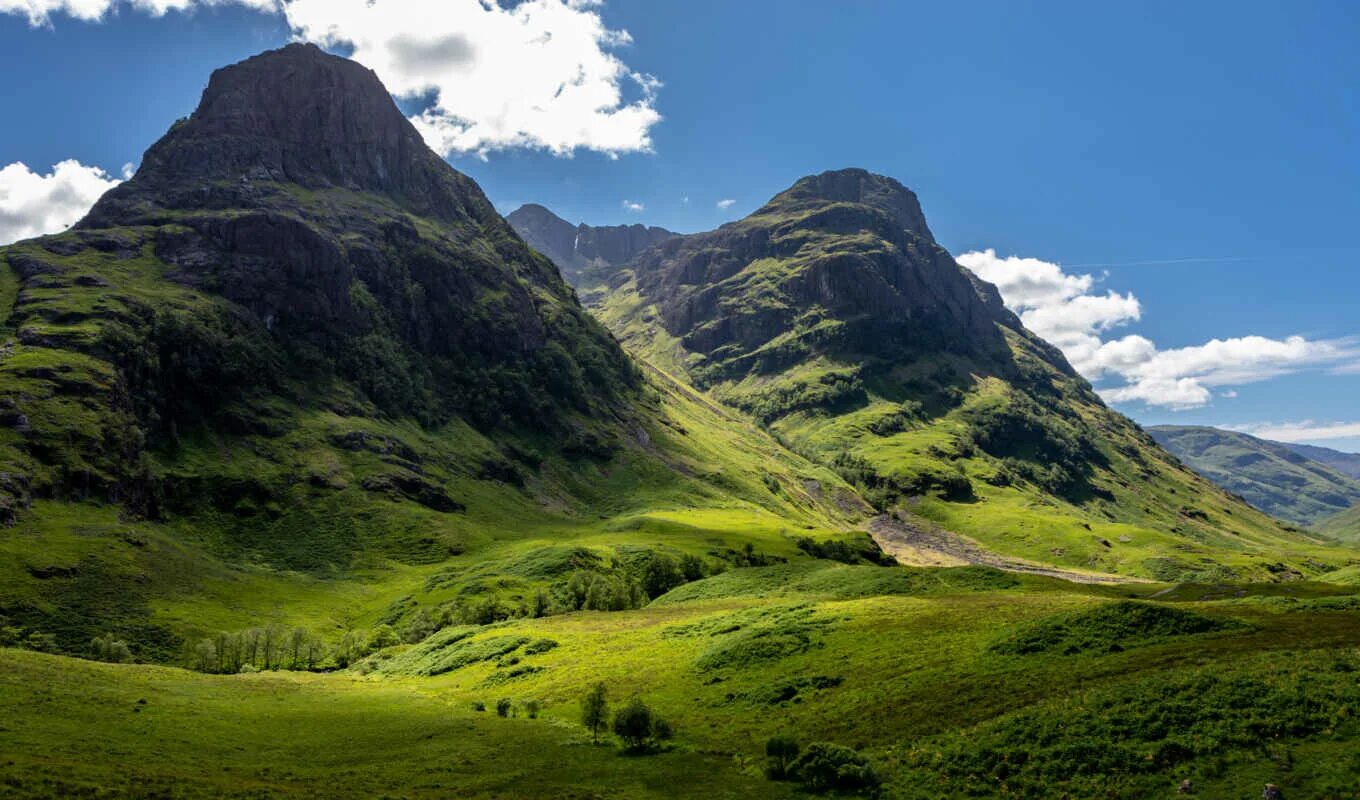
{"points": [[640, 729], [824, 767]]}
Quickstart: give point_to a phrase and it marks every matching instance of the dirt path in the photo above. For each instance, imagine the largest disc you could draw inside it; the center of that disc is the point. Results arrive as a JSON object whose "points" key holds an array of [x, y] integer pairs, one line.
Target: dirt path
{"points": [[919, 543]]}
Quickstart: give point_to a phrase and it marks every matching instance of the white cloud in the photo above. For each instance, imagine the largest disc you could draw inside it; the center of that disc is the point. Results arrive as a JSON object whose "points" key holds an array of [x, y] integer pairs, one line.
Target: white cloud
{"points": [[1066, 310], [39, 12], [1305, 431], [726, 204], [32, 204], [629, 205], [540, 74]]}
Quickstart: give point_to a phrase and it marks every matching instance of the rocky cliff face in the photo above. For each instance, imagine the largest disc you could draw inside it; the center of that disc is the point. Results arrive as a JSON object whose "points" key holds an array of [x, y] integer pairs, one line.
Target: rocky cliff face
{"points": [[575, 249], [840, 262], [293, 245]]}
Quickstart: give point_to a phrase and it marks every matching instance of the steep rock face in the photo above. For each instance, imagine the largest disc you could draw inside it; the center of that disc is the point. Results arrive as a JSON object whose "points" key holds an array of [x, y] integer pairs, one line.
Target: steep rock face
{"points": [[300, 116], [840, 262], [575, 249]]}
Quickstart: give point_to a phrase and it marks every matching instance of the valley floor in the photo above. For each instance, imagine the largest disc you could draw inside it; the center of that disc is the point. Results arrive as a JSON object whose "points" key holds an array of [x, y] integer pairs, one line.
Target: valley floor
{"points": [[956, 682]]}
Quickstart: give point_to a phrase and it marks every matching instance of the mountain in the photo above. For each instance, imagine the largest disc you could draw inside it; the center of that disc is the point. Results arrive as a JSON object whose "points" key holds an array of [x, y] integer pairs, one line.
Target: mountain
{"points": [[1273, 477], [574, 248], [1344, 525], [298, 346], [833, 316], [1347, 464]]}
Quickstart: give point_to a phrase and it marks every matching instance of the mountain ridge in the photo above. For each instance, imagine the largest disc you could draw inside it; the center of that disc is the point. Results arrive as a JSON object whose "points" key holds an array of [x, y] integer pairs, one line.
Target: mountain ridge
{"points": [[1275, 477], [576, 248]]}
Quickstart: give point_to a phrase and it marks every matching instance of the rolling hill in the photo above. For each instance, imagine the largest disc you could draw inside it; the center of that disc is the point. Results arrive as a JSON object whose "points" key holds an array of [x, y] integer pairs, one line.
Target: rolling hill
{"points": [[1276, 478]]}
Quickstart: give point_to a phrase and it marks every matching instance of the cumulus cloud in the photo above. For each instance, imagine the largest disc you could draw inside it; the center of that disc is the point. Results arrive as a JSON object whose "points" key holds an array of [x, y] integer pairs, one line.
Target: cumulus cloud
{"points": [[1305, 431], [629, 205], [1067, 310], [32, 204], [726, 204], [539, 74]]}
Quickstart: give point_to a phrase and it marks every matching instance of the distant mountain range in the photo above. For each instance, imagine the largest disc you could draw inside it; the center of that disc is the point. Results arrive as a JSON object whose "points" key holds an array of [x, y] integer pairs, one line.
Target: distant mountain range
{"points": [[1303, 484], [1347, 464]]}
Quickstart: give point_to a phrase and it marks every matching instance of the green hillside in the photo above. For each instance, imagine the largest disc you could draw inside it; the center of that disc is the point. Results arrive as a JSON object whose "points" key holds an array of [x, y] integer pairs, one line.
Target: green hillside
{"points": [[833, 317], [1344, 526], [1273, 477]]}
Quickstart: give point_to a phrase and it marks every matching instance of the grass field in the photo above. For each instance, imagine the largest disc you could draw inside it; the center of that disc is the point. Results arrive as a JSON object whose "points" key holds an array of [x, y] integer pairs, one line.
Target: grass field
{"points": [[919, 669]]}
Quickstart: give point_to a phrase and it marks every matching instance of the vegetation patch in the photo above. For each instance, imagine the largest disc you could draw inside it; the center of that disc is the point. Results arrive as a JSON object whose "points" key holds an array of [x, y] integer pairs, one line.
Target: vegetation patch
{"points": [[1123, 742], [1110, 628]]}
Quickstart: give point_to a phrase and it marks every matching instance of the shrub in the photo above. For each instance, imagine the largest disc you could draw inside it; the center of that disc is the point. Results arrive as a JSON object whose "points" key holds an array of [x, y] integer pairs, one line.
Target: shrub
{"points": [[503, 707], [107, 648], [639, 727], [539, 646], [531, 709], [824, 767], [780, 753]]}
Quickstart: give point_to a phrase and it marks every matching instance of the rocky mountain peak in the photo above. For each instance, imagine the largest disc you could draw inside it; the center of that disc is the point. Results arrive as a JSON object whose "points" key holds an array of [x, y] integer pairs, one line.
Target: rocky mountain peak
{"points": [[295, 115], [858, 186]]}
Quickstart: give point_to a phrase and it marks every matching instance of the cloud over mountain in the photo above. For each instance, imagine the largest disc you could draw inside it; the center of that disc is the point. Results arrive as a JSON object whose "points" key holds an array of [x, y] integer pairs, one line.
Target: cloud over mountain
{"points": [[32, 204], [1068, 311], [540, 74]]}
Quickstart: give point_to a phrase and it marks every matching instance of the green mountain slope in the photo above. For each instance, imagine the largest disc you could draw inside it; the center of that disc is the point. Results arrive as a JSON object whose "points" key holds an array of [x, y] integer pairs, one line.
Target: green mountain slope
{"points": [[1345, 525], [300, 358], [1271, 476], [1347, 464], [833, 316]]}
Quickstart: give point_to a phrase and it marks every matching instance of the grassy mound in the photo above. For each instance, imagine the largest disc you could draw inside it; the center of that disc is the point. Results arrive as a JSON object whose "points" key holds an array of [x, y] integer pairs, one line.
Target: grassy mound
{"points": [[1109, 629]]}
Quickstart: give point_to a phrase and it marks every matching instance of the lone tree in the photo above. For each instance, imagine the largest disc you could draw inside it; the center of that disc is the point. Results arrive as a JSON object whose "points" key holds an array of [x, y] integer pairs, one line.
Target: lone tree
{"points": [[595, 711], [640, 728], [780, 752]]}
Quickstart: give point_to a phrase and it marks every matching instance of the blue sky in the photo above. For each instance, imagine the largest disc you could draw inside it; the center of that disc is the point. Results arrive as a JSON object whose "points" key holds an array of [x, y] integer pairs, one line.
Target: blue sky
{"points": [[1197, 160]]}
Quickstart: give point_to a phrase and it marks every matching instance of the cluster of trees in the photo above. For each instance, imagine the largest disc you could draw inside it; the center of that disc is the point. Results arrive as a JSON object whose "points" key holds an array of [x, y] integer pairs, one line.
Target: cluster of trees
{"points": [[1037, 444], [270, 647], [820, 767], [638, 727], [883, 491], [858, 550], [645, 578], [110, 649], [831, 391]]}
